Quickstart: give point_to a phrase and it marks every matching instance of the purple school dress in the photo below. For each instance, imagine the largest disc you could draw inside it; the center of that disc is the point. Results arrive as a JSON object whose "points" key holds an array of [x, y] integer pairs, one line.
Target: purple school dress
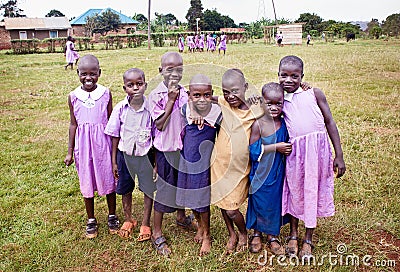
{"points": [[92, 147], [222, 44], [309, 183]]}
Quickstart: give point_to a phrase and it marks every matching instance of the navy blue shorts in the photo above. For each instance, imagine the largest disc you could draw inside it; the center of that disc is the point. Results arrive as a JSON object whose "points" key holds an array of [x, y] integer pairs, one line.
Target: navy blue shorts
{"points": [[167, 170], [131, 166]]}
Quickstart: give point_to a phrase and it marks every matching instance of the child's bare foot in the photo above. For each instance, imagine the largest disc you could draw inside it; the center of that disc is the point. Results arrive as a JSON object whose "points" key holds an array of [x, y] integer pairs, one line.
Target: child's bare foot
{"points": [[231, 245], [242, 244], [198, 238], [205, 246]]}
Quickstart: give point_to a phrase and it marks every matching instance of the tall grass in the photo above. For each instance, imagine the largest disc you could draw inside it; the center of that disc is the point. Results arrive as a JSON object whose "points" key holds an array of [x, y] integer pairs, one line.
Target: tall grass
{"points": [[42, 216]]}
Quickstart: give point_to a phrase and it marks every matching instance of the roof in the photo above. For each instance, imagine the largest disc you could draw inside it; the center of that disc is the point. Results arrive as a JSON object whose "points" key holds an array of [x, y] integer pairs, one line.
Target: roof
{"points": [[37, 23], [81, 20]]}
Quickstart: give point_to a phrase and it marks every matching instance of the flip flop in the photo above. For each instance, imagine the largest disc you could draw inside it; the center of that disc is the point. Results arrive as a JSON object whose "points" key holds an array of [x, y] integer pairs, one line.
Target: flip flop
{"points": [[126, 230], [144, 234]]}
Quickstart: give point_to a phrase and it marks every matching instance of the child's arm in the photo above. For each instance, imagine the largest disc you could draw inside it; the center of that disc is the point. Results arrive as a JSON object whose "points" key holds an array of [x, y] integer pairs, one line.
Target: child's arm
{"points": [[173, 93], [71, 138], [109, 107], [338, 163], [115, 142]]}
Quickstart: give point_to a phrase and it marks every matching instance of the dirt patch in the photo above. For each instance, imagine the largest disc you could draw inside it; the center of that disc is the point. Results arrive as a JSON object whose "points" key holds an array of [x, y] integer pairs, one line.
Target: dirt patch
{"points": [[386, 243]]}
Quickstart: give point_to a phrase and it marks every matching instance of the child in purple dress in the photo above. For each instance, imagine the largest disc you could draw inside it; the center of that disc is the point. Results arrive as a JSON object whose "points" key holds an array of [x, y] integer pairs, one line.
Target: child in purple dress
{"points": [[222, 43], [181, 43], [70, 53], [90, 107], [194, 167], [309, 183]]}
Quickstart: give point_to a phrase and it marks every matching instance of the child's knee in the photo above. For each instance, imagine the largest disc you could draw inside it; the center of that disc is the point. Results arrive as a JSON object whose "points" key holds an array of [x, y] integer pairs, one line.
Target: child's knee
{"points": [[232, 214]]}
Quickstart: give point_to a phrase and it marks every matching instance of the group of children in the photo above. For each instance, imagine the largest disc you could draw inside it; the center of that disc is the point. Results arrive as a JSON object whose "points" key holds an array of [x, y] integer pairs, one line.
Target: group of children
{"points": [[199, 42], [191, 149]]}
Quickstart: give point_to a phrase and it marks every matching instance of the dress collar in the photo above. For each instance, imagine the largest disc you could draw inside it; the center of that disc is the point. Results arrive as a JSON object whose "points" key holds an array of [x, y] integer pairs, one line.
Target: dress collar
{"points": [[142, 108], [212, 117], [95, 94], [289, 96]]}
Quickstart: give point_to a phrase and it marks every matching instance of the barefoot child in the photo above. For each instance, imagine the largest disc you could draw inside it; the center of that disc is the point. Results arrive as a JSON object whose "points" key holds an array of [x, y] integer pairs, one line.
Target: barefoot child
{"points": [[90, 106], [268, 148], [229, 171], [198, 142], [130, 126], [308, 188], [165, 103]]}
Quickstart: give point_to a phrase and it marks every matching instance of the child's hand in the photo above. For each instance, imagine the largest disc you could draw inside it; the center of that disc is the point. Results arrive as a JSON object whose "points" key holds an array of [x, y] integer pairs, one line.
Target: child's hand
{"points": [[254, 99], [115, 171], [305, 85], [68, 160], [339, 167], [284, 148], [173, 91], [196, 118]]}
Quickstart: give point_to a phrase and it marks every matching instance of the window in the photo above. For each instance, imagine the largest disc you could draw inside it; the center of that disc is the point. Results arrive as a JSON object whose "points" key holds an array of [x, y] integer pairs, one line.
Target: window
{"points": [[53, 34], [23, 35]]}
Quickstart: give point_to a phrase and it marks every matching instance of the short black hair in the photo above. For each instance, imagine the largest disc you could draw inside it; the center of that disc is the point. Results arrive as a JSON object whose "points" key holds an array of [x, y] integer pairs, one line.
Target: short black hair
{"points": [[291, 60], [271, 87]]}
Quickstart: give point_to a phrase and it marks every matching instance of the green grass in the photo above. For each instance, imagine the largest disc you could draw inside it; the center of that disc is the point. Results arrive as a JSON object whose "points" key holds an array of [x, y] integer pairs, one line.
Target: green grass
{"points": [[42, 216]]}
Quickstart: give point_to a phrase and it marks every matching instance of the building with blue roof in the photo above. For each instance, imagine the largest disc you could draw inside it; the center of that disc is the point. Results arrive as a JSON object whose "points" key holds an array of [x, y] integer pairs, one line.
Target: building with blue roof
{"points": [[128, 25]]}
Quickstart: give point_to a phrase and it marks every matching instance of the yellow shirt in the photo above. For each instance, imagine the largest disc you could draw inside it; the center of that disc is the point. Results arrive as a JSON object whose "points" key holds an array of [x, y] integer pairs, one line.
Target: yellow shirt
{"points": [[230, 164]]}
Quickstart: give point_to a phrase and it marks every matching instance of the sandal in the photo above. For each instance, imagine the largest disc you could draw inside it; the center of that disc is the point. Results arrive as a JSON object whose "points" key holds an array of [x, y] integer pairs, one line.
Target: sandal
{"points": [[188, 223], [306, 254], [144, 234], [160, 244], [291, 251], [126, 229], [276, 251], [255, 247]]}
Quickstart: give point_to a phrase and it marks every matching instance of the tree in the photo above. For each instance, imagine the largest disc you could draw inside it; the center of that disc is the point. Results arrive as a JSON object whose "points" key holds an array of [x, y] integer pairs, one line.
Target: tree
{"points": [[11, 9], [312, 22], [103, 23], [54, 13], [140, 18], [391, 26], [213, 20], [195, 11], [374, 28]]}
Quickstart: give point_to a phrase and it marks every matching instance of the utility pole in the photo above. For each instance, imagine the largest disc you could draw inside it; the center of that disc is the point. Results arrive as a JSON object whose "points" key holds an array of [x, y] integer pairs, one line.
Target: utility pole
{"points": [[148, 27]]}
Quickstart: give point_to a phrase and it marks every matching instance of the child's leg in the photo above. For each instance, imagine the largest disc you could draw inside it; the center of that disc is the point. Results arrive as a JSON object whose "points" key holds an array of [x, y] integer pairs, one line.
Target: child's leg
{"points": [[231, 245], [148, 204], [127, 206], [111, 203], [89, 205], [158, 217], [198, 238], [206, 240], [292, 246], [237, 217]]}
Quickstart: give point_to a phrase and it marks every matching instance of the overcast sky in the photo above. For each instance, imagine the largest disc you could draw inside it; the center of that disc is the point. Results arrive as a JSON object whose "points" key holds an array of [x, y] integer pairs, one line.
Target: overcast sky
{"points": [[240, 11]]}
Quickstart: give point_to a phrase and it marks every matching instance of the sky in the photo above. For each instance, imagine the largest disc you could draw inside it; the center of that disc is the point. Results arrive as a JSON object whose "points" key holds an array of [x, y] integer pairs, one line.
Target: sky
{"points": [[240, 11]]}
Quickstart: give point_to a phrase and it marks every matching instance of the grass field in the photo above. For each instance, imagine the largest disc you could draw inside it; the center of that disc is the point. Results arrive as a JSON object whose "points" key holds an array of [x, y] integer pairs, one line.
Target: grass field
{"points": [[42, 216]]}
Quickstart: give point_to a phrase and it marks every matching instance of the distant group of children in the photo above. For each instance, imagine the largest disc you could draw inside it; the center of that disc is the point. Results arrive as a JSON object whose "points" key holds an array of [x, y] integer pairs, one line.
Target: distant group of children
{"points": [[200, 42], [190, 149]]}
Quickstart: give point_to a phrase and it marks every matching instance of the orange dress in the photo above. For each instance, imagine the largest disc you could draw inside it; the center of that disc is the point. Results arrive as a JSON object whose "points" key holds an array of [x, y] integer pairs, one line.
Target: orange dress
{"points": [[230, 164]]}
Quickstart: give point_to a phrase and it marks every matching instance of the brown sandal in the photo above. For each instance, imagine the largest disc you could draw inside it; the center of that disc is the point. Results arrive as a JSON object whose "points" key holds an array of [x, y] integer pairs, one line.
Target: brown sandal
{"points": [[126, 230], [292, 251], [276, 251], [144, 234]]}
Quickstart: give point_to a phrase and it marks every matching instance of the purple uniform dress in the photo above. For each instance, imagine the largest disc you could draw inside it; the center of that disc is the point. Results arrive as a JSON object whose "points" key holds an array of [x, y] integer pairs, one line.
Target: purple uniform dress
{"points": [[222, 43], [194, 166], [70, 54], [181, 43], [201, 41], [92, 146], [167, 144], [309, 183]]}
